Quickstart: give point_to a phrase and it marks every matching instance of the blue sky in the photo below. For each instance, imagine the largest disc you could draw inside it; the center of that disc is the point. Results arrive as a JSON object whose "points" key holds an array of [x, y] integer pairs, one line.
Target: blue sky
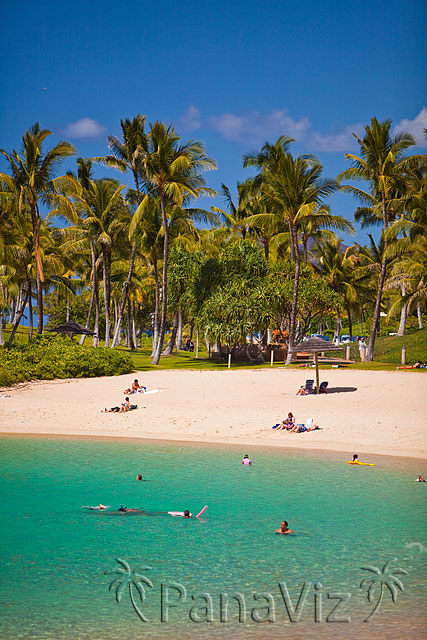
{"points": [[232, 74]]}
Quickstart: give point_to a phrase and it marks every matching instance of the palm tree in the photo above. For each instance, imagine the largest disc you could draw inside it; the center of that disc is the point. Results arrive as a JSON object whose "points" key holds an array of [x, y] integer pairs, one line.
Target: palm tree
{"points": [[236, 218], [381, 164], [33, 178], [386, 579], [173, 169], [292, 188], [130, 579], [127, 155], [337, 266]]}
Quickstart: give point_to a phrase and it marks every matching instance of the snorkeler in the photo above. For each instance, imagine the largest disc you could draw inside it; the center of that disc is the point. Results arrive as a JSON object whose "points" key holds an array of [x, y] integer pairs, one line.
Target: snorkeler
{"points": [[283, 528]]}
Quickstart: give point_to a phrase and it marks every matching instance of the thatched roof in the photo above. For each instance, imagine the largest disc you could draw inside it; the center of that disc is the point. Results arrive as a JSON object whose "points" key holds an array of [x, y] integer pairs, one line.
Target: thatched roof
{"points": [[315, 345], [72, 328]]}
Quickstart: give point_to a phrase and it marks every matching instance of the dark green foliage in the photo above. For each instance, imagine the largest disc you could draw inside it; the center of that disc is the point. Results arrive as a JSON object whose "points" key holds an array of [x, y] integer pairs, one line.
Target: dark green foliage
{"points": [[49, 357]]}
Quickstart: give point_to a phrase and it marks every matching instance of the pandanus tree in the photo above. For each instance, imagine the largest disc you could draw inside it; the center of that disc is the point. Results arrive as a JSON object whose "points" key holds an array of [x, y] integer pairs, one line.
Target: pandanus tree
{"points": [[381, 164], [292, 188], [127, 156], [33, 177], [174, 171]]}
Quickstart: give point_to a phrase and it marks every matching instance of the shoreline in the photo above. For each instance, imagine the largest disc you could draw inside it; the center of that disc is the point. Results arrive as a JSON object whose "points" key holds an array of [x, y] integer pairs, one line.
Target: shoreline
{"points": [[366, 412], [303, 452]]}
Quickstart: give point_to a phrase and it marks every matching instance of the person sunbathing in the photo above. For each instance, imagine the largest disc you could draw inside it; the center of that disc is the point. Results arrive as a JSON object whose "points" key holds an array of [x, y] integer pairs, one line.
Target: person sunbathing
{"points": [[135, 388], [302, 391], [418, 365], [300, 428], [125, 406]]}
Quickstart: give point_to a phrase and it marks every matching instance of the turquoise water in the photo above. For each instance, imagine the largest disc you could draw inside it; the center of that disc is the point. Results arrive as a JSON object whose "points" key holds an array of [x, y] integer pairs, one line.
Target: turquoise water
{"points": [[56, 556]]}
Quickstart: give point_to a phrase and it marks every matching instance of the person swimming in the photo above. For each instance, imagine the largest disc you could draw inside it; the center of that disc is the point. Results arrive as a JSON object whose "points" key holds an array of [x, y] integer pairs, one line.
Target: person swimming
{"points": [[187, 514], [283, 528], [246, 460], [420, 478], [139, 476], [122, 508]]}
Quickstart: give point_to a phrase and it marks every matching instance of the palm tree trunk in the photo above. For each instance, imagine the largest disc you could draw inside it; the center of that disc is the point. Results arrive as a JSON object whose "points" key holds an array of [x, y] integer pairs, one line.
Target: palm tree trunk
{"points": [[18, 319], [94, 286], [350, 323], [377, 310], [1, 328], [35, 220], [134, 336], [420, 320], [294, 248], [156, 307], [169, 348], [403, 314], [337, 326], [159, 347], [95, 339], [179, 330], [106, 295], [131, 344], [126, 287]]}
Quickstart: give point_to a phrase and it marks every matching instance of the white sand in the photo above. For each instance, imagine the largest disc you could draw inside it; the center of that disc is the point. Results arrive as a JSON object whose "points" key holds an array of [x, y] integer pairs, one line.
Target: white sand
{"points": [[365, 411]]}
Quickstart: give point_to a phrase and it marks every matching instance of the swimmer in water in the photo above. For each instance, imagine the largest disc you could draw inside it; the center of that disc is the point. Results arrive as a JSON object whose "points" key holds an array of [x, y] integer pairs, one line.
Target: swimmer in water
{"points": [[246, 460], [122, 508], [283, 528], [420, 478], [187, 514], [139, 477], [355, 457]]}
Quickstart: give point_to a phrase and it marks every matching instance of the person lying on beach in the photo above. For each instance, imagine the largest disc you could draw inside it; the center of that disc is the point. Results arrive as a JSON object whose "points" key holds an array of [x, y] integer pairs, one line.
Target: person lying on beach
{"points": [[246, 460], [135, 388], [125, 406], [420, 478], [300, 428], [418, 365], [283, 528]]}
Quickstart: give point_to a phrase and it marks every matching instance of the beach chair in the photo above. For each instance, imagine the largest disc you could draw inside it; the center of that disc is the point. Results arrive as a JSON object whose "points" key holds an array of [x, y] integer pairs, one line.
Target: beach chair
{"points": [[309, 386], [323, 387]]}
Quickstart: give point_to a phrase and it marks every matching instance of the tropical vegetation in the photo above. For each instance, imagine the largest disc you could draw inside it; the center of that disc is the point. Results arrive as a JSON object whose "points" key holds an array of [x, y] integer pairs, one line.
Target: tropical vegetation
{"points": [[145, 260]]}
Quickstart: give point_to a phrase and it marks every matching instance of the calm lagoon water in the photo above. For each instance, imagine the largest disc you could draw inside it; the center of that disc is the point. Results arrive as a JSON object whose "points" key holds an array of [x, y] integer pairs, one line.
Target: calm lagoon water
{"points": [[56, 556]]}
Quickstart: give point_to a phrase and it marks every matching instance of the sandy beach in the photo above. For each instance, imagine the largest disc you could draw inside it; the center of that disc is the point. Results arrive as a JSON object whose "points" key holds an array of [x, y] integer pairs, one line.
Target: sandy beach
{"points": [[364, 411]]}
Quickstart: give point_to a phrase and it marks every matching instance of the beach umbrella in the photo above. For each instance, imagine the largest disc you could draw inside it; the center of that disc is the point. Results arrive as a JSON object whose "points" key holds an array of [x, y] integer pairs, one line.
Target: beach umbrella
{"points": [[72, 328], [315, 346]]}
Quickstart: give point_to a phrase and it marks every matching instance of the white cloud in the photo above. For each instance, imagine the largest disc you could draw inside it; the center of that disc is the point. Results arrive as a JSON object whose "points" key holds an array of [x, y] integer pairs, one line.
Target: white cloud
{"points": [[190, 119], [256, 127], [415, 126], [84, 128], [335, 141]]}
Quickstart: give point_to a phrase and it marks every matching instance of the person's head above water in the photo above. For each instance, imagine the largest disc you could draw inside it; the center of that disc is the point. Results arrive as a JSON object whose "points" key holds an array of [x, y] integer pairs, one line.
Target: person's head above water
{"points": [[355, 456], [187, 514], [139, 477], [284, 524], [246, 455]]}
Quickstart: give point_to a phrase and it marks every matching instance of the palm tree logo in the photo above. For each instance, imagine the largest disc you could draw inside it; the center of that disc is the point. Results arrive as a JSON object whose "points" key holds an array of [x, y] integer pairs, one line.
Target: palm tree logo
{"points": [[129, 578], [386, 577]]}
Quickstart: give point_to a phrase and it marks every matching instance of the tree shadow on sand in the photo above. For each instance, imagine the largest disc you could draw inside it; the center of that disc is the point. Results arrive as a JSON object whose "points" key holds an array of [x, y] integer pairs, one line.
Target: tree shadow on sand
{"points": [[340, 389]]}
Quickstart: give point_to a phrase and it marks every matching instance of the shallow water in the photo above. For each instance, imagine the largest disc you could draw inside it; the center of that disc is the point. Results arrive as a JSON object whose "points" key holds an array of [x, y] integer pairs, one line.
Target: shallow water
{"points": [[56, 555]]}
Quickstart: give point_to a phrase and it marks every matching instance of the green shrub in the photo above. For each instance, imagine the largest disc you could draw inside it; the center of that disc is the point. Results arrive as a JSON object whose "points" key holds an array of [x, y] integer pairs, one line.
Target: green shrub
{"points": [[49, 357]]}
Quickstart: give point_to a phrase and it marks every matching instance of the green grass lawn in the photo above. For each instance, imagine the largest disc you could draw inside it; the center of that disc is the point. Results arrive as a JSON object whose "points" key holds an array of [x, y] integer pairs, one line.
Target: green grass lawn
{"points": [[388, 351]]}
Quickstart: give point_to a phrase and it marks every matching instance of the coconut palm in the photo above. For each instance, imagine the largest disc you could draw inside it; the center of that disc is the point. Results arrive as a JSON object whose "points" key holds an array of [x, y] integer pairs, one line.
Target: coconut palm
{"points": [[384, 578], [32, 176], [127, 578], [293, 189], [126, 155], [174, 171], [337, 266], [381, 164]]}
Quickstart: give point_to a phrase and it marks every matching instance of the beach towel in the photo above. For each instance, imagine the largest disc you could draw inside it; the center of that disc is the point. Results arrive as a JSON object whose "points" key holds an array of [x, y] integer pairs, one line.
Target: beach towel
{"points": [[276, 425], [153, 391]]}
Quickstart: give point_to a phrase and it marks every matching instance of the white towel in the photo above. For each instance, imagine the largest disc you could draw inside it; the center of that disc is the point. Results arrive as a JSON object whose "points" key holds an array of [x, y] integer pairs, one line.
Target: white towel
{"points": [[152, 391], [309, 422]]}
